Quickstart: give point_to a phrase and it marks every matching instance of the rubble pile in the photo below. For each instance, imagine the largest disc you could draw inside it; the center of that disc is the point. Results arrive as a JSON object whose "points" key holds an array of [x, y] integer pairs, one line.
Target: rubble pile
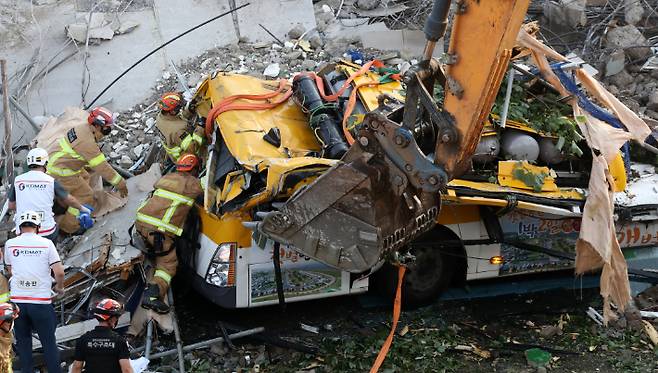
{"points": [[301, 50], [618, 37]]}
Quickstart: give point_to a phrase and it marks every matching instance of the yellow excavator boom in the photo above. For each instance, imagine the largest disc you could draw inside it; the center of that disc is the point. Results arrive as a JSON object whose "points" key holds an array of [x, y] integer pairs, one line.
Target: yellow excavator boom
{"points": [[384, 191]]}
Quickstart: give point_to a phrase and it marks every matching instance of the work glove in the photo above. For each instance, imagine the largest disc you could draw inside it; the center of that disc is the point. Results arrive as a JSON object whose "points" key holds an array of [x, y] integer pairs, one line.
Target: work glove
{"points": [[123, 188], [85, 220], [87, 209]]}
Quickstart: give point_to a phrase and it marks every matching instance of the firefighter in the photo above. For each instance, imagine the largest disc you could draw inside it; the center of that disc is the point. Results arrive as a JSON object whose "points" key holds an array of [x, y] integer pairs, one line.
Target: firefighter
{"points": [[178, 136], [77, 151], [160, 221], [29, 259], [8, 313], [103, 350], [35, 190]]}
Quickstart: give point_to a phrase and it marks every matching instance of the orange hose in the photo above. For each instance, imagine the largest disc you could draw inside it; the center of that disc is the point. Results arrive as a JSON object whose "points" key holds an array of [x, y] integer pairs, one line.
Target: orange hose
{"points": [[220, 108], [397, 305]]}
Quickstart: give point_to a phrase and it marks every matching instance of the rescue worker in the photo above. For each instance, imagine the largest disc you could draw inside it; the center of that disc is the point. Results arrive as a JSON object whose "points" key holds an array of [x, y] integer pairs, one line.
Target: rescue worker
{"points": [[75, 152], [8, 313], [36, 191], [103, 350], [29, 258], [160, 220], [178, 136]]}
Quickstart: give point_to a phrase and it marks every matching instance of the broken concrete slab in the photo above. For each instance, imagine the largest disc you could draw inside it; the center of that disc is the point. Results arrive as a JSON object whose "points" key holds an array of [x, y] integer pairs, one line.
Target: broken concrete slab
{"points": [[630, 39], [566, 13], [408, 42], [615, 63], [633, 12], [381, 11], [78, 32], [278, 17]]}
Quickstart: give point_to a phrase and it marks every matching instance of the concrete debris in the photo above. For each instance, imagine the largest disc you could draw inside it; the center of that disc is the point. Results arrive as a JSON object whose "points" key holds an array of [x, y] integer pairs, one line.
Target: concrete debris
{"points": [[652, 103], [381, 12], [272, 70], [633, 12], [296, 32], [367, 4], [615, 63], [566, 13], [630, 39]]}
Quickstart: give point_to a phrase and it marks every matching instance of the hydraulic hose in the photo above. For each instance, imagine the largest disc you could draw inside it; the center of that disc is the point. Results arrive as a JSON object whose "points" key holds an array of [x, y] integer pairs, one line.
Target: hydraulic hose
{"points": [[435, 26]]}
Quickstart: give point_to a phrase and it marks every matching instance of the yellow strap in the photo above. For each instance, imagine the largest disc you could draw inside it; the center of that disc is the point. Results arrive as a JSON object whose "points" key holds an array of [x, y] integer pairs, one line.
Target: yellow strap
{"points": [[116, 179], [161, 225], [97, 160], [4, 298], [163, 275]]}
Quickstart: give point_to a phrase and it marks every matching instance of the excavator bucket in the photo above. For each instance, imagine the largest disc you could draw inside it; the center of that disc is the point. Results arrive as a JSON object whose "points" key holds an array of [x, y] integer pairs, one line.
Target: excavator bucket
{"points": [[383, 193]]}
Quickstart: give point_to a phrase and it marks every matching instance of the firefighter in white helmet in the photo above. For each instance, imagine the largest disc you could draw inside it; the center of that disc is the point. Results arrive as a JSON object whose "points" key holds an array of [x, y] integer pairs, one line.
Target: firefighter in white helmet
{"points": [[37, 191], [29, 260]]}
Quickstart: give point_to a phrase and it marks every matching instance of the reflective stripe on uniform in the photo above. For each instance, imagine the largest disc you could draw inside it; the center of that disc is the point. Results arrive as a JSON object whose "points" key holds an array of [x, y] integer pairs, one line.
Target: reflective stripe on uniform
{"points": [[164, 224], [161, 225], [65, 149], [97, 160], [174, 152], [163, 275], [187, 141], [116, 179], [174, 196], [73, 211], [4, 298]]}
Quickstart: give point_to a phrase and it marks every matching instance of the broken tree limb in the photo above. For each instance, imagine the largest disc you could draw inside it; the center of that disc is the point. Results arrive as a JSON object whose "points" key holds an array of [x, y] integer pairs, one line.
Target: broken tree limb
{"points": [[8, 153], [194, 346], [149, 54]]}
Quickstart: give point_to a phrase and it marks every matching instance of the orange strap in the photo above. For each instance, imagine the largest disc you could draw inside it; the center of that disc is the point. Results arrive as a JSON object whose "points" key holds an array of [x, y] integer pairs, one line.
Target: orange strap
{"points": [[396, 316]]}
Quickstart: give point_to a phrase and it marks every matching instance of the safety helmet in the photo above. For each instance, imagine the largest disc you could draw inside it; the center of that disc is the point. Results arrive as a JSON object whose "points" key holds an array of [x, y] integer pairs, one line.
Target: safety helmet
{"points": [[170, 102], [8, 313], [103, 118], [31, 217], [37, 157], [107, 308], [187, 162]]}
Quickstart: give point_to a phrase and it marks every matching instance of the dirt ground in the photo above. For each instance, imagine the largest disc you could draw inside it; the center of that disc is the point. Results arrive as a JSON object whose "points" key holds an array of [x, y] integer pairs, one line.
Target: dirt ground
{"points": [[497, 330]]}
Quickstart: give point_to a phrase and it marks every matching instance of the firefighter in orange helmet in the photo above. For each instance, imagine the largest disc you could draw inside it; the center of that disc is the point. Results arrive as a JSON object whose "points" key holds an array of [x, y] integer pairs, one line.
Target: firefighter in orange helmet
{"points": [[78, 151], [177, 134], [160, 222]]}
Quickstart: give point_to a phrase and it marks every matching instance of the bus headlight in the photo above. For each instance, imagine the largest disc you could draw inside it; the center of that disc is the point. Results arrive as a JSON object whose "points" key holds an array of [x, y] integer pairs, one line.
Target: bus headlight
{"points": [[221, 271]]}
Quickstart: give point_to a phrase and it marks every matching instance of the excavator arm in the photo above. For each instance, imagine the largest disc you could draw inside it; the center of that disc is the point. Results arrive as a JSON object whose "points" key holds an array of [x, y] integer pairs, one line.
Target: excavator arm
{"points": [[385, 191]]}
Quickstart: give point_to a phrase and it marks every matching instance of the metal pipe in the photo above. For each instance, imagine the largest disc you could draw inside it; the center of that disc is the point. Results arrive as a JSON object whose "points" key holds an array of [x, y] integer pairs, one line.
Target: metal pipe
{"points": [[435, 26], [149, 339], [160, 47], [24, 114], [179, 341], [194, 346], [9, 153], [508, 97]]}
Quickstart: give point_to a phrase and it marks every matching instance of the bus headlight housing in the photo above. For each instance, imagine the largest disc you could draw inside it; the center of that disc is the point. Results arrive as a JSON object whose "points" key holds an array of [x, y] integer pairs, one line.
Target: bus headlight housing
{"points": [[221, 271]]}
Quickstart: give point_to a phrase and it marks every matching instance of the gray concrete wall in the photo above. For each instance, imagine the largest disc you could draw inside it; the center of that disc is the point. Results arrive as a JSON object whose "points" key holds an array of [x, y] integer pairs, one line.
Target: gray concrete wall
{"points": [[159, 21]]}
